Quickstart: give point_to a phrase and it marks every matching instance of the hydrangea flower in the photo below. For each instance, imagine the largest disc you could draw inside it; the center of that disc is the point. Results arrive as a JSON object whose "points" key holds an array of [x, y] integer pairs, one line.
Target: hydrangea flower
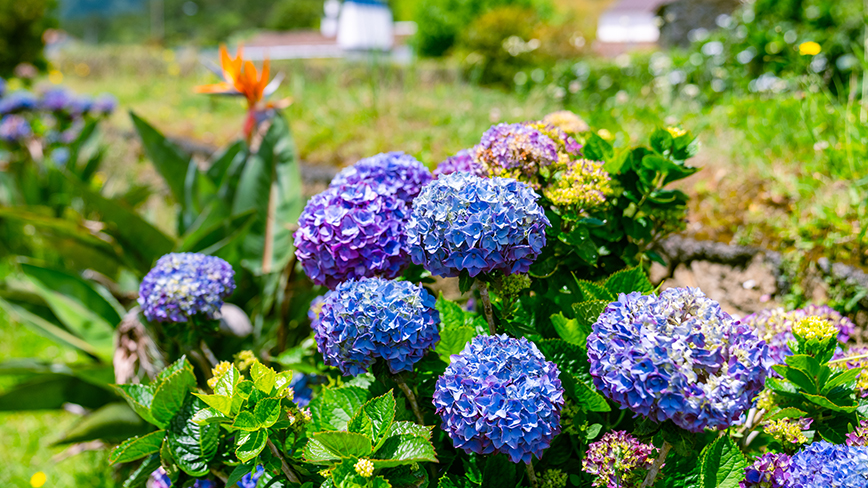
{"points": [[159, 479], [584, 184], [372, 318], [500, 395], [826, 465], [860, 363], [771, 470], [250, 480], [788, 431], [461, 222], [13, 128], [301, 384], [618, 460], [182, 285], [516, 151], [350, 232], [60, 100], [104, 104], [553, 478], [566, 121], [462, 161], [775, 326], [677, 357], [2, 87], [392, 173], [20, 101], [859, 437]]}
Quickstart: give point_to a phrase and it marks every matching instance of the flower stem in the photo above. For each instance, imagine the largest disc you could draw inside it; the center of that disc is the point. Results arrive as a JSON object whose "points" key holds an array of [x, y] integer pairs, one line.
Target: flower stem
{"points": [[411, 397], [852, 358], [658, 463], [531, 476], [284, 466], [486, 306]]}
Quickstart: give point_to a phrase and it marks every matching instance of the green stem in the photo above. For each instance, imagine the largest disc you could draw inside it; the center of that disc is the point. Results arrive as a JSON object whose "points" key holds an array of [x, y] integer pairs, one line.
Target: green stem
{"points": [[531, 476], [852, 358], [284, 466], [411, 397], [486, 306]]}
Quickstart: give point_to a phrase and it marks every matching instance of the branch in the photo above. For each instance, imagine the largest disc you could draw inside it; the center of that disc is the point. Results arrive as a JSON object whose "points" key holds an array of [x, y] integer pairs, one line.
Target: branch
{"points": [[486, 306], [284, 466], [658, 463], [411, 397]]}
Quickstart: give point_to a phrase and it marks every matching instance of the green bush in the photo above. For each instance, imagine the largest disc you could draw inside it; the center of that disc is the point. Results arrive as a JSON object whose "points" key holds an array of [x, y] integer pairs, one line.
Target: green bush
{"points": [[295, 14], [22, 24]]}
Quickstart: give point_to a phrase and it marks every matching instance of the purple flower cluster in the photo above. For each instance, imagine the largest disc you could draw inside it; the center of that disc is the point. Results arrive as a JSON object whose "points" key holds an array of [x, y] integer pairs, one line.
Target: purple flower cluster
{"points": [[859, 437], [516, 151], [500, 395], [461, 222], [770, 470], [462, 161], [14, 128], [677, 357], [826, 465], [20, 101], [392, 173], [182, 285], [775, 326], [618, 460], [160, 479], [350, 232], [372, 318]]}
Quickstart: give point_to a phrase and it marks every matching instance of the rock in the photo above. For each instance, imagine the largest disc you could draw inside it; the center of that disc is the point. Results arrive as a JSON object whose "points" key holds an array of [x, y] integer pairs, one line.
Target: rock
{"points": [[233, 321]]}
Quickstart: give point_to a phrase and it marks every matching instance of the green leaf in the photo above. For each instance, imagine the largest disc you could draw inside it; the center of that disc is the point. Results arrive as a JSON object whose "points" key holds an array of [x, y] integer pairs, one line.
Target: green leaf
{"points": [[166, 157], [140, 397], [192, 446], [138, 447], [246, 421], [409, 428], [661, 140], [629, 280], [239, 472], [180, 365], [361, 424], [111, 423], [827, 403], [52, 391], [263, 377], [806, 364], [142, 474], [796, 377], [452, 316], [220, 403], [334, 407], [267, 411], [499, 471], [326, 447], [250, 444], [90, 295], [170, 395], [210, 416], [465, 282], [588, 312], [594, 291], [588, 398], [381, 412], [43, 327], [841, 378], [404, 449], [786, 413], [570, 330], [571, 359], [680, 472], [722, 464], [453, 340]]}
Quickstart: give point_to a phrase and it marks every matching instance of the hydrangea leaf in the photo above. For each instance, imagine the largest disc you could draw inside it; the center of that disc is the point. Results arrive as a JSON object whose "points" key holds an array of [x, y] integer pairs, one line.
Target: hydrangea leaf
{"points": [[192, 445], [267, 411], [181, 364], [209, 416], [250, 444], [841, 379], [629, 280], [786, 413], [168, 461], [361, 424], [410, 428], [246, 421], [722, 464], [170, 394], [588, 312], [499, 471], [334, 407], [140, 398], [142, 474], [326, 447], [137, 447], [453, 340], [680, 472], [571, 359], [594, 291], [570, 330], [404, 449], [227, 382], [587, 398], [381, 412], [797, 378], [263, 377], [239, 472], [452, 316], [220, 403], [661, 140], [826, 403]]}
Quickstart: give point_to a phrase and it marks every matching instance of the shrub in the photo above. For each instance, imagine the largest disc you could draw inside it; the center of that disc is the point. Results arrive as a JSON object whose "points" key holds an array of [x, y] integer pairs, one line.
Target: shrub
{"points": [[21, 27]]}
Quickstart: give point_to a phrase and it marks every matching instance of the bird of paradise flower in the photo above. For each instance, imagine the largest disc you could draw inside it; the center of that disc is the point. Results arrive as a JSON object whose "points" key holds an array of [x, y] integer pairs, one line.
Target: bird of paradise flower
{"points": [[242, 79]]}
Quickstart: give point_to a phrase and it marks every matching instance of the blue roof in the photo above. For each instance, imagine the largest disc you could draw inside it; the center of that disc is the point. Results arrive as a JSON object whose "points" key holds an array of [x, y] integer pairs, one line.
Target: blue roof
{"points": [[378, 3]]}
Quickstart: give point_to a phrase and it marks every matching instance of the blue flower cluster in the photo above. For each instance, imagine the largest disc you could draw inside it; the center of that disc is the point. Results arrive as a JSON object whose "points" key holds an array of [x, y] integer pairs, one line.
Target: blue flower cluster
{"points": [[182, 285], [461, 222], [301, 385], [19, 101], [462, 161], [392, 173], [826, 465], [160, 479], [677, 357], [372, 318], [14, 128], [350, 232], [250, 480], [771, 470], [500, 395]]}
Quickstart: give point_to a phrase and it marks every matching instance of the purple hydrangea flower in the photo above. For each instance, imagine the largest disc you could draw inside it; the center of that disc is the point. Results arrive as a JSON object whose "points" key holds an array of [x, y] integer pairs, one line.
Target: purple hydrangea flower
{"points": [[463, 222], [677, 357], [618, 460], [516, 151], [14, 128], [372, 318], [59, 100], [392, 173], [351, 232], [462, 161], [104, 104], [2, 87], [775, 326], [500, 395], [20, 101], [182, 285], [771, 470], [250, 480], [159, 479], [826, 465], [859, 437]]}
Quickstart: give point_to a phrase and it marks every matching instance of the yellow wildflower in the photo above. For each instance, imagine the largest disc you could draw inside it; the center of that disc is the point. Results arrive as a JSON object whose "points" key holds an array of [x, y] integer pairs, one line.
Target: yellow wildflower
{"points": [[809, 48], [218, 371], [365, 468], [38, 479]]}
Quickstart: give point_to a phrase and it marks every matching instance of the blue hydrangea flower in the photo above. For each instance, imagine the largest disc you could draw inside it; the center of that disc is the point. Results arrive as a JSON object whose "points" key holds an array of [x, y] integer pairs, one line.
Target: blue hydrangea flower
{"points": [[20, 101], [826, 465], [351, 232], [159, 479], [500, 395], [677, 357], [771, 470], [250, 480], [392, 173], [14, 128], [2, 87], [301, 385], [372, 318], [462, 161], [182, 285], [59, 100], [104, 104], [463, 222]]}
